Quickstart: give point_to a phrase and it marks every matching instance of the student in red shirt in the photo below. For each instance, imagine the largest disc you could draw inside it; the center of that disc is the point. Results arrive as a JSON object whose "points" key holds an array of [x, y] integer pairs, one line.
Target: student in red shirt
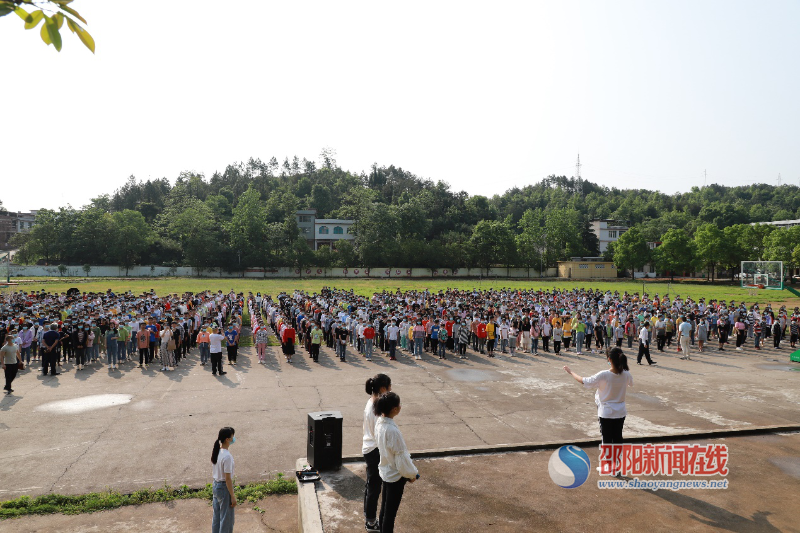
{"points": [[480, 332], [369, 335], [449, 327], [287, 342]]}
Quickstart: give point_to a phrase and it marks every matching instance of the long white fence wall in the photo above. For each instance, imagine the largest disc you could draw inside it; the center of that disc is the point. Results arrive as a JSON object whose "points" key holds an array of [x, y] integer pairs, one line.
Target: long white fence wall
{"points": [[23, 271]]}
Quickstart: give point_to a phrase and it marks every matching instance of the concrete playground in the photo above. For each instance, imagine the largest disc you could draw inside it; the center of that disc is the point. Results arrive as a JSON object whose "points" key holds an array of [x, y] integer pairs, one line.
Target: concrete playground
{"points": [[513, 492], [128, 429]]}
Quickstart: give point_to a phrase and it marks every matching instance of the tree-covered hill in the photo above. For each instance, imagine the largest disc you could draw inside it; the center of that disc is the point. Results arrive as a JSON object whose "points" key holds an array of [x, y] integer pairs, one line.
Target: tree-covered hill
{"points": [[245, 217]]}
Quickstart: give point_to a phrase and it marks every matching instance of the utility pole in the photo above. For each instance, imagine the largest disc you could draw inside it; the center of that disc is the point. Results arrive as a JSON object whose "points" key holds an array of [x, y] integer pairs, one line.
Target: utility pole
{"points": [[578, 180], [705, 178], [779, 179]]}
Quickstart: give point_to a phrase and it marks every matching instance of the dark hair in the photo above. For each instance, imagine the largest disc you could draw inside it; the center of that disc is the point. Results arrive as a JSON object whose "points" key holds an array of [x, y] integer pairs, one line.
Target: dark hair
{"points": [[384, 405], [618, 359], [380, 381], [224, 434]]}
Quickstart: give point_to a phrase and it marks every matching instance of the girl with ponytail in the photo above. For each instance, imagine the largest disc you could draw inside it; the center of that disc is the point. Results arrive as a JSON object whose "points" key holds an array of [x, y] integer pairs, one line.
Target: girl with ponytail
{"points": [[224, 499], [396, 467], [611, 387], [376, 386]]}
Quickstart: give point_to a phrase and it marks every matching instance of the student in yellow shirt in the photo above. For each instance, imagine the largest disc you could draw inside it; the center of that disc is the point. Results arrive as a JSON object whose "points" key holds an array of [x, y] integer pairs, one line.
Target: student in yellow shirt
{"points": [[567, 332], [490, 337]]}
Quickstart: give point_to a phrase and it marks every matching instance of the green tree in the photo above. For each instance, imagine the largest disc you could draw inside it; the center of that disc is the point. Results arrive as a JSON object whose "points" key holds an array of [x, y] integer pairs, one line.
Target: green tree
{"points": [[300, 255], [530, 240], [130, 237], [631, 251], [735, 249], [376, 235], [196, 229], [783, 244], [676, 252], [492, 242], [708, 240], [345, 255], [321, 200], [248, 230], [54, 13], [40, 242], [324, 257], [563, 234], [755, 240]]}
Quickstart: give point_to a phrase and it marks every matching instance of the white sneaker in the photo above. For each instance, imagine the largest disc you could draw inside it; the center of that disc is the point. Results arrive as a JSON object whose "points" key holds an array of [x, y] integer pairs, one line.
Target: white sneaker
{"points": [[109, 367]]}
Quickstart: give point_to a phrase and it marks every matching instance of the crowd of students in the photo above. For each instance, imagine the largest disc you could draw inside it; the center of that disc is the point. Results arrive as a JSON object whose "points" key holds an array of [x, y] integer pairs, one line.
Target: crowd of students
{"points": [[80, 330], [56, 330], [507, 321]]}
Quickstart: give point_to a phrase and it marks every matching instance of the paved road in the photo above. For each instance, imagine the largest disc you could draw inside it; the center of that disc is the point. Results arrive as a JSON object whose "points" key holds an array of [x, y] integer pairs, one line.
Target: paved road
{"points": [[128, 429]]}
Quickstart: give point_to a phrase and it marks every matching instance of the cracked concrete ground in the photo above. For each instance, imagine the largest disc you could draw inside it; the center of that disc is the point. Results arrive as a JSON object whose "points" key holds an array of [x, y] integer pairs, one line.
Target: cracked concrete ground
{"points": [[128, 429], [513, 492]]}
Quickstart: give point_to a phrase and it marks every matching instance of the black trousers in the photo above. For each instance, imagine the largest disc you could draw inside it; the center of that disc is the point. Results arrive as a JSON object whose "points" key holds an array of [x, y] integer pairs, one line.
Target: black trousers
{"points": [[390, 503], [392, 348], [661, 340], [232, 352], [80, 356], [11, 373], [314, 351], [611, 429], [545, 343], [152, 353], [644, 350], [372, 490], [144, 356], [216, 362], [49, 360]]}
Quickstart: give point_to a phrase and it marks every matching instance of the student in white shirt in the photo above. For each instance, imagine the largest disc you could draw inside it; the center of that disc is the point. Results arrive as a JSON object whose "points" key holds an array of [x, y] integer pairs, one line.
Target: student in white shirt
{"points": [[215, 351], [644, 344], [611, 387], [224, 499], [376, 386], [396, 467]]}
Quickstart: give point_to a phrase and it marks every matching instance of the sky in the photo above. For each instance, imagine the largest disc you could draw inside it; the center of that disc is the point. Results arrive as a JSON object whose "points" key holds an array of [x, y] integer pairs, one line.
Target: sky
{"points": [[482, 95]]}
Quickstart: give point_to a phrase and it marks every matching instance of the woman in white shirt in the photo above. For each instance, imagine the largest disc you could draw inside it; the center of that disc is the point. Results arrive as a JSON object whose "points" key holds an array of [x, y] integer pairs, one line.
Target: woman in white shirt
{"points": [[376, 386], [224, 499], [611, 387], [396, 467]]}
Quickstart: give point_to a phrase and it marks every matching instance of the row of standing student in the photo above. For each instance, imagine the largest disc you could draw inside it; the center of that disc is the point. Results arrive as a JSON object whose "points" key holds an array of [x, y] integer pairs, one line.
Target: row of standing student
{"points": [[389, 464]]}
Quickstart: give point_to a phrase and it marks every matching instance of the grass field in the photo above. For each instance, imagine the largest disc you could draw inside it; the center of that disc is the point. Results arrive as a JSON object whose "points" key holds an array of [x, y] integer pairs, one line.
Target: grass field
{"points": [[368, 286]]}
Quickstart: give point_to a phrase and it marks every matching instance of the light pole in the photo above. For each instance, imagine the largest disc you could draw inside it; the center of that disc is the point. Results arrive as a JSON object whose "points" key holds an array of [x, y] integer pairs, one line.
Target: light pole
{"points": [[8, 267]]}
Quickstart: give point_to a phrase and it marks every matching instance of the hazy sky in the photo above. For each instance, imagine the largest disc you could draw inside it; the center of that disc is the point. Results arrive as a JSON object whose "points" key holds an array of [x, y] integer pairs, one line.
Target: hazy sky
{"points": [[482, 95]]}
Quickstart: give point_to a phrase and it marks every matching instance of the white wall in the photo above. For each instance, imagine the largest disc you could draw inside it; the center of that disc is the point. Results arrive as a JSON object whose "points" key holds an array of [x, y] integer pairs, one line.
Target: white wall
{"points": [[23, 271]]}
